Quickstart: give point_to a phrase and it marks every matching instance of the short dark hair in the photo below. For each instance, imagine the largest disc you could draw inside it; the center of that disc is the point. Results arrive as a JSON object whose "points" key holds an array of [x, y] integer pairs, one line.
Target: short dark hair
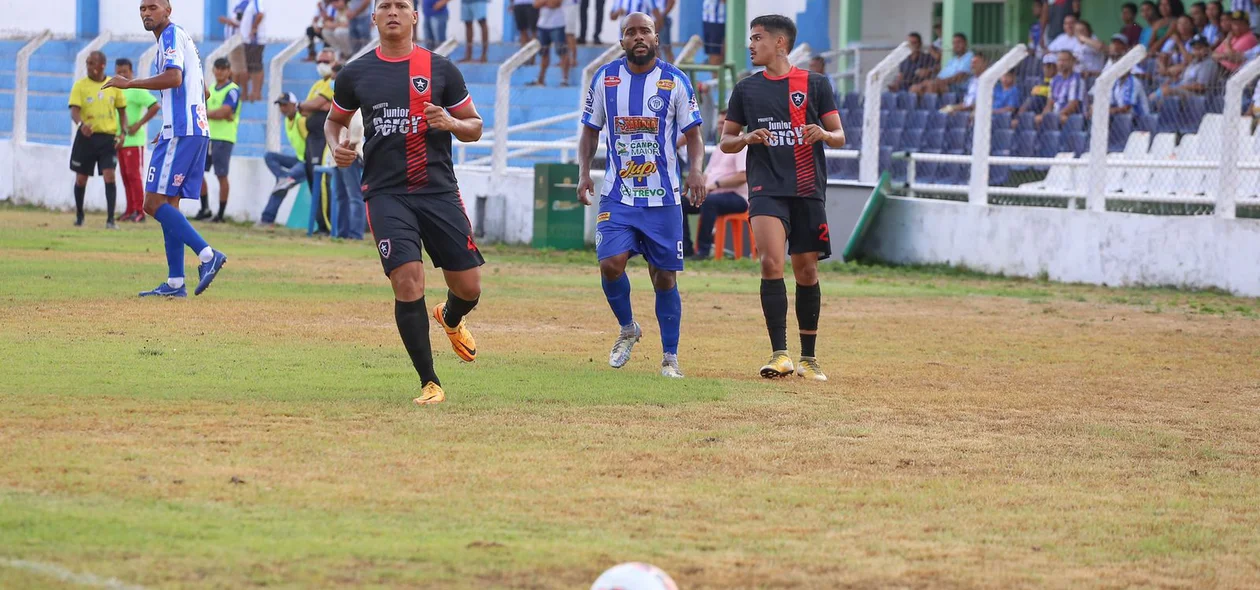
{"points": [[1081, 21], [962, 36], [778, 25], [1152, 4], [122, 61], [1129, 5], [917, 37], [222, 64]]}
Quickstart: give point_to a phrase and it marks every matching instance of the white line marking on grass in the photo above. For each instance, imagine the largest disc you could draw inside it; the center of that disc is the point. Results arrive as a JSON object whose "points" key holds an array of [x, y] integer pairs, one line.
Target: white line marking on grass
{"points": [[66, 575]]}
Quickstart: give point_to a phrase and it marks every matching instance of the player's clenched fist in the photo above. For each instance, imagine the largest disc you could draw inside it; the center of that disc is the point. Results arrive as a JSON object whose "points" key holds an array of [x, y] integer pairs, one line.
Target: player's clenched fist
{"points": [[814, 134], [585, 190], [345, 154], [438, 118], [757, 136]]}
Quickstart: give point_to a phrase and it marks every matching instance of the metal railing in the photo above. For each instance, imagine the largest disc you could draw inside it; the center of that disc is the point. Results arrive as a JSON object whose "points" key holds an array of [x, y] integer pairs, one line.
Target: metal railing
{"points": [[503, 102], [876, 81], [22, 92], [207, 66], [275, 84], [982, 131]]}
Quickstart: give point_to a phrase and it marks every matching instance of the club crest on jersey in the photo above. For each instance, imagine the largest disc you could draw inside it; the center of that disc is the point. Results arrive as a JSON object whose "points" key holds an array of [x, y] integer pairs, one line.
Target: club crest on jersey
{"points": [[632, 125], [798, 98], [385, 248], [178, 180], [656, 103], [420, 83]]}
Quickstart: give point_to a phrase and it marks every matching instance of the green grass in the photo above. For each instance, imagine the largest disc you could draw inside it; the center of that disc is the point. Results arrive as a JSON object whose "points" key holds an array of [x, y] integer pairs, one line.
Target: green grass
{"points": [[977, 432]]}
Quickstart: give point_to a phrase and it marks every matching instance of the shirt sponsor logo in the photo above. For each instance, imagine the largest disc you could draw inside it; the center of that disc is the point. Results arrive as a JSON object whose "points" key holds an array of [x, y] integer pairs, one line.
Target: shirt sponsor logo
{"points": [[602, 217], [638, 148], [798, 98], [633, 125], [783, 133], [692, 106], [611, 80], [641, 193], [590, 102], [665, 84], [656, 103], [170, 53], [636, 171], [389, 121], [420, 84]]}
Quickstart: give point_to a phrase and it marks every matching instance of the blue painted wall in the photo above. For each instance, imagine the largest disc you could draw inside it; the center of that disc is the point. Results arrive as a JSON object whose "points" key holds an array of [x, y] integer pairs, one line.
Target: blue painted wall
{"points": [[813, 25], [88, 18], [215, 9]]}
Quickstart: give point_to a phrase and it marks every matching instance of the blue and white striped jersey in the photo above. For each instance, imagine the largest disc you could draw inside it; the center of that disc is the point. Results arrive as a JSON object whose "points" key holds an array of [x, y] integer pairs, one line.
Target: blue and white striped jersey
{"points": [[644, 114], [714, 11], [183, 107], [644, 6]]}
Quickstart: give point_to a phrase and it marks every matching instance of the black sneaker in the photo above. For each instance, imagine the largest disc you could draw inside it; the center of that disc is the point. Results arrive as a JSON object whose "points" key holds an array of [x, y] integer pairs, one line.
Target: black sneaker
{"points": [[78, 221], [111, 225], [203, 215], [217, 219]]}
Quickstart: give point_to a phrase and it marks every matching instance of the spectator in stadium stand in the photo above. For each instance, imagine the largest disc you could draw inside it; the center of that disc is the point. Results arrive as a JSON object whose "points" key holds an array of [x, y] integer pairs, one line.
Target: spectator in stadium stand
{"points": [[1214, 11], [1067, 91], [1150, 14], [1128, 96], [315, 108], [1065, 41], [474, 11], [727, 179], [436, 16], [1131, 30], [1052, 17], [916, 68], [1090, 52], [935, 48], [1005, 93], [1175, 54], [551, 32], [252, 34], [1234, 50], [1200, 75], [232, 25], [1035, 30], [1037, 97], [526, 17], [978, 64], [714, 22], [324, 14], [1250, 10], [1199, 17], [1169, 12], [818, 65], [288, 170], [359, 14], [952, 77]]}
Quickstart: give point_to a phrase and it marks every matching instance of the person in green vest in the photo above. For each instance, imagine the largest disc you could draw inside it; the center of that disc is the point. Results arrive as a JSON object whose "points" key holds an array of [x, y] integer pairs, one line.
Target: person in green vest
{"points": [[142, 106], [288, 170], [223, 109]]}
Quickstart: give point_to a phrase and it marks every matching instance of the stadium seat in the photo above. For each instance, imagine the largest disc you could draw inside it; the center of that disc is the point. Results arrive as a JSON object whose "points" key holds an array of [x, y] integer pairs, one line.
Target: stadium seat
{"points": [[737, 224], [905, 101], [1003, 140], [1026, 143], [1118, 133], [1139, 180], [885, 159], [1194, 109], [929, 102], [1048, 143], [1211, 125], [1076, 142], [933, 143], [1050, 122], [893, 119], [1170, 115], [1075, 123], [912, 139], [917, 120], [1191, 181], [1148, 123], [1027, 121], [956, 141], [852, 101], [890, 138], [958, 121], [1216, 104], [1060, 179], [1135, 148], [933, 139], [887, 100], [853, 137], [1001, 121], [937, 120], [949, 98]]}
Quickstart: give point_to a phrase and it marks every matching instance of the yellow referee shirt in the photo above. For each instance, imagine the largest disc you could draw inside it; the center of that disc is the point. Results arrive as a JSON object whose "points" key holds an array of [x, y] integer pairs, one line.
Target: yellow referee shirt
{"points": [[321, 88], [98, 107]]}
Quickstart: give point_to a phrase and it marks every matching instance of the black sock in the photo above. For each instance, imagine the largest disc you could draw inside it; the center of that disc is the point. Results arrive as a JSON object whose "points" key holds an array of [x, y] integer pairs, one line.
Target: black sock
{"points": [[774, 305], [222, 206], [808, 304], [111, 198], [413, 326], [79, 191], [205, 202], [457, 308]]}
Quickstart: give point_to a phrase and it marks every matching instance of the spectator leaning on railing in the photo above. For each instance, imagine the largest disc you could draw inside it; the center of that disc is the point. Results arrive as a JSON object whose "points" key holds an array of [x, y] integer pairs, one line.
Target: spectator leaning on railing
{"points": [[1005, 95], [917, 67], [1067, 91], [253, 32], [288, 170], [953, 76]]}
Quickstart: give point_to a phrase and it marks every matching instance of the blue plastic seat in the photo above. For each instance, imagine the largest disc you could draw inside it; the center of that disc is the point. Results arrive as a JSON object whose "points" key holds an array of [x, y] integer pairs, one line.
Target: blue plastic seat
{"points": [[1118, 133], [1027, 121], [929, 102], [1026, 143], [1148, 123], [1076, 142], [1003, 140], [1050, 122], [905, 101], [917, 120], [937, 120], [894, 119], [949, 98], [887, 100], [1075, 123], [852, 101], [956, 140], [890, 138], [958, 121], [1216, 104], [911, 139], [933, 141], [1170, 114], [1049, 143], [1001, 121], [1193, 110]]}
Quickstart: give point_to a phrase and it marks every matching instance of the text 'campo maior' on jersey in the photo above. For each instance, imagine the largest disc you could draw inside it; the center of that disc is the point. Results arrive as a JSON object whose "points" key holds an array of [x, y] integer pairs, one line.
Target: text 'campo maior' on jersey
{"points": [[784, 166], [643, 116], [402, 155]]}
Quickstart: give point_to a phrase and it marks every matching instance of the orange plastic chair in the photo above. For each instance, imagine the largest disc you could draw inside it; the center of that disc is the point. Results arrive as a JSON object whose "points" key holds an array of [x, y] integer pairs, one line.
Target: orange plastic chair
{"points": [[737, 223]]}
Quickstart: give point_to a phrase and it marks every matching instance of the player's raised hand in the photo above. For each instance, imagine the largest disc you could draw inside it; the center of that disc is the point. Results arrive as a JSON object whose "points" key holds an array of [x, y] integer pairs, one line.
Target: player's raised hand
{"points": [[118, 82], [694, 188], [757, 136], [438, 118], [585, 189], [813, 134], [346, 153]]}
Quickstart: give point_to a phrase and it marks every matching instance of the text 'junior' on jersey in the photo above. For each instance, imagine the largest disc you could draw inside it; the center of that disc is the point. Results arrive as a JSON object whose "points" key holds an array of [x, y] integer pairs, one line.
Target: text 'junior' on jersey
{"points": [[402, 155], [784, 166], [643, 115]]}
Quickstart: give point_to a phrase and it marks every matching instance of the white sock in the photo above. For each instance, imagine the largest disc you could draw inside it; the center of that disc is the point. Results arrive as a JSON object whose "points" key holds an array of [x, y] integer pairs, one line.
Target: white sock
{"points": [[206, 254], [175, 282]]}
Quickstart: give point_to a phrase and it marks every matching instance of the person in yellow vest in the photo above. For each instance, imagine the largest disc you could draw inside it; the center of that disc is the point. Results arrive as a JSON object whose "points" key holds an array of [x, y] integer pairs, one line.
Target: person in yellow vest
{"points": [[223, 109], [98, 112], [288, 170]]}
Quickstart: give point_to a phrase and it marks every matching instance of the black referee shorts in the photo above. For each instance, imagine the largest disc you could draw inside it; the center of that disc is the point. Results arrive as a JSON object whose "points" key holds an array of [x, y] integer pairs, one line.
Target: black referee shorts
{"points": [[401, 224], [89, 155], [804, 221]]}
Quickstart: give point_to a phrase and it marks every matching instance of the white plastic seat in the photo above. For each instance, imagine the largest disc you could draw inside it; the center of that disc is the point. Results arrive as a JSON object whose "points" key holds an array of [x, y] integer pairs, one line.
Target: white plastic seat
{"points": [[1135, 148], [1059, 179], [1140, 180]]}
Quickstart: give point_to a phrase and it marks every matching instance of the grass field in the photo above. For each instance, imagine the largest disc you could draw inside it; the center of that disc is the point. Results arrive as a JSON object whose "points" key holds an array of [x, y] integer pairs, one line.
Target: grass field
{"points": [[977, 432]]}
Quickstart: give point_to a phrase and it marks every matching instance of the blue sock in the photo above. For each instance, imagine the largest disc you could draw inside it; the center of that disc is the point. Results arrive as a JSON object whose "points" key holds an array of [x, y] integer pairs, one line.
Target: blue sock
{"points": [[172, 219], [174, 254], [618, 294], [669, 315]]}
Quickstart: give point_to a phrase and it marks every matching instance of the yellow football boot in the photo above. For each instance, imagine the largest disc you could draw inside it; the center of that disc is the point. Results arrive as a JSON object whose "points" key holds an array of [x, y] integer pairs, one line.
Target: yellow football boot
{"points": [[461, 339], [780, 365], [808, 368], [431, 394]]}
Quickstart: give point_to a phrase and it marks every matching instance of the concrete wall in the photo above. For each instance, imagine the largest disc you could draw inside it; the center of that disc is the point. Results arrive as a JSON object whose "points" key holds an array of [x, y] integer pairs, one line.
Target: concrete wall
{"points": [[26, 16], [1072, 246]]}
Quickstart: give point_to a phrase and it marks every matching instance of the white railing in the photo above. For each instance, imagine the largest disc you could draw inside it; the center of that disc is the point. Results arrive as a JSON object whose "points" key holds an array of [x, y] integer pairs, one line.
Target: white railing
{"points": [[1101, 124], [207, 67], [876, 81], [146, 60], [690, 49], [588, 73], [800, 55], [848, 58], [983, 125], [1226, 191], [503, 102], [22, 92], [275, 85]]}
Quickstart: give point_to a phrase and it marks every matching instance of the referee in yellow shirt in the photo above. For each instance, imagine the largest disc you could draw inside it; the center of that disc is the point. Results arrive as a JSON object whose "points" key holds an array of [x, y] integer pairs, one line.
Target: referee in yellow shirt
{"points": [[98, 113]]}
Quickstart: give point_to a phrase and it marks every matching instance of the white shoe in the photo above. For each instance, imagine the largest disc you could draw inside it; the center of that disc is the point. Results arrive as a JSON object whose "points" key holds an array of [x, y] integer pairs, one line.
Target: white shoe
{"points": [[624, 345], [670, 368], [283, 184]]}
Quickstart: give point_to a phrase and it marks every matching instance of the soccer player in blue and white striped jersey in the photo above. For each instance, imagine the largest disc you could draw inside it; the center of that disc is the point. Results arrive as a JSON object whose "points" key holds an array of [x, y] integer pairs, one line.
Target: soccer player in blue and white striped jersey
{"points": [[644, 104], [177, 167]]}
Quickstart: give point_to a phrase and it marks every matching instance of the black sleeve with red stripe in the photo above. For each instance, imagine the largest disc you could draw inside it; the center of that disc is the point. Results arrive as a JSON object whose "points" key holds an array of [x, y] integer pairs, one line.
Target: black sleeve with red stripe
{"points": [[344, 98], [735, 106], [454, 89], [823, 95]]}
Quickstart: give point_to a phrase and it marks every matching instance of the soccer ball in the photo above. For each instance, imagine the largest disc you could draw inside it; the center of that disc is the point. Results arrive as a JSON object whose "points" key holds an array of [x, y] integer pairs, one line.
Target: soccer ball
{"points": [[634, 576]]}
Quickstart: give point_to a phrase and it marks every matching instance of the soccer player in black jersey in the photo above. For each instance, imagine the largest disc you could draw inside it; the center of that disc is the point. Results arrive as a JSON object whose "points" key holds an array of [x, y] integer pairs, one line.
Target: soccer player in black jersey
{"points": [[790, 114], [412, 102]]}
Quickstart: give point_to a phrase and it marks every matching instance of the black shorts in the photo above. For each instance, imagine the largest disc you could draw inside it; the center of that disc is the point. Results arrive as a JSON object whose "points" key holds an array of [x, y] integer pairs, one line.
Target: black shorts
{"points": [[219, 157], [804, 221], [714, 37], [400, 224], [92, 154], [526, 17], [254, 57]]}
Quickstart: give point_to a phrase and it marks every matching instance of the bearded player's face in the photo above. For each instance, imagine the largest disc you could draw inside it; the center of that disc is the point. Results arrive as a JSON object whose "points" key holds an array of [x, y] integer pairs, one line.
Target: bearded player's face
{"points": [[639, 39], [394, 19]]}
